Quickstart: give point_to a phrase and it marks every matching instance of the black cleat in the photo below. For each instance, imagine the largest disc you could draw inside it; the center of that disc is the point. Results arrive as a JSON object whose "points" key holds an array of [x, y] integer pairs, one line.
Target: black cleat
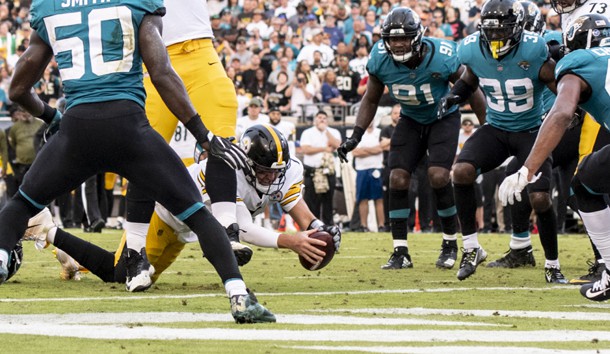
{"points": [[515, 258], [3, 272], [596, 270], [448, 255], [598, 291], [243, 253], [246, 309], [471, 258], [554, 275], [139, 271], [400, 259]]}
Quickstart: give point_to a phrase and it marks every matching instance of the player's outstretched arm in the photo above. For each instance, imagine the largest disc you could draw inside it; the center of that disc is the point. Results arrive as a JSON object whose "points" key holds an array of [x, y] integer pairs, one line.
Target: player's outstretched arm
{"points": [[477, 100]]}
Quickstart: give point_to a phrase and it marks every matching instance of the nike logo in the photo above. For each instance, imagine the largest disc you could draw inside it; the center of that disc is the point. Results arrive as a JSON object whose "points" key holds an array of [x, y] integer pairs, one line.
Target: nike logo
{"points": [[212, 63], [591, 294]]}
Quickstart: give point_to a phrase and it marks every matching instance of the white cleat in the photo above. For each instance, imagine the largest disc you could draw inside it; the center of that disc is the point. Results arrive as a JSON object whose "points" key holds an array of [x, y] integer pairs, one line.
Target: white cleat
{"points": [[38, 227], [139, 271]]}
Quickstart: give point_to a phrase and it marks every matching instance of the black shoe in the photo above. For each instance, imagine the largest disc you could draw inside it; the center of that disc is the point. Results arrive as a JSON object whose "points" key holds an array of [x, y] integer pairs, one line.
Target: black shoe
{"points": [[595, 273], [598, 291], [97, 225], [139, 270], [471, 258], [400, 259], [515, 258], [448, 255], [554, 275], [246, 309], [243, 253]]}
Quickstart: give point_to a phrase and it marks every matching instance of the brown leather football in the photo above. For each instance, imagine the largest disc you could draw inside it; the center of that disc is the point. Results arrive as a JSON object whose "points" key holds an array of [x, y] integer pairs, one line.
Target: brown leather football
{"points": [[329, 249]]}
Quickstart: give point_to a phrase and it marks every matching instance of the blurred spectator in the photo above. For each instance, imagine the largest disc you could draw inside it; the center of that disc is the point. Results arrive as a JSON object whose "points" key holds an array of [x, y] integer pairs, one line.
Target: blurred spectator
{"points": [[49, 86], [245, 17], [317, 67], [282, 43], [257, 25], [279, 95], [370, 20], [330, 91], [302, 94], [21, 140], [282, 67], [287, 129], [300, 18], [249, 74], [330, 27], [340, 16], [316, 44], [259, 87], [439, 19], [383, 10], [253, 117], [347, 81], [359, 37], [457, 26], [304, 67], [242, 53], [310, 29], [358, 64], [285, 9], [348, 23]]}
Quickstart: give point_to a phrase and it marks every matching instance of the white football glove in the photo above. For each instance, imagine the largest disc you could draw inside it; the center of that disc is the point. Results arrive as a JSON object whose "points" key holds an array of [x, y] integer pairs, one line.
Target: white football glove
{"points": [[511, 187]]}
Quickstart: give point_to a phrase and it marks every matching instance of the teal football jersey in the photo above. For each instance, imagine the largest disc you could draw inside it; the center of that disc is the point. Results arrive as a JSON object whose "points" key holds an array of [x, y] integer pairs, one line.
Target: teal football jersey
{"points": [[95, 43], [511, 85], [591, 65], [548, 97], [417, 90]]}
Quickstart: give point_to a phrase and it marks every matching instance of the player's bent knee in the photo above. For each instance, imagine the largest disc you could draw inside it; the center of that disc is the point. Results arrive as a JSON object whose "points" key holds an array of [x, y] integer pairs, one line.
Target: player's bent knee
{"points": [[438, 177], [540, 201], [464, 173], [399, 179]]}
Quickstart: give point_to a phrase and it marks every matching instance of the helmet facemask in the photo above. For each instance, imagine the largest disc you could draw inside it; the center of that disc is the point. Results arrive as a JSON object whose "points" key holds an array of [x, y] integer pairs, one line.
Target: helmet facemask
{"points": [[500, 37], [566, 9], [415, 38], [276, 175]]}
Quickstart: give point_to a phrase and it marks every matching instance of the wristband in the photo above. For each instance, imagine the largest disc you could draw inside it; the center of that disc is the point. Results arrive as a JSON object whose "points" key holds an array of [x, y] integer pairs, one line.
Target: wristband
{"points": [[195, 126], [357, 133], [48, 114]]}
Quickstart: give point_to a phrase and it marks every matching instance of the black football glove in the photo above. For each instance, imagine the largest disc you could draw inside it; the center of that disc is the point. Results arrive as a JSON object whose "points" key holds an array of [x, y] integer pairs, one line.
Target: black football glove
{"points": [[347, 146], [230, 153], [53, 127], [445, 104], [577, 118], [333, 230]]}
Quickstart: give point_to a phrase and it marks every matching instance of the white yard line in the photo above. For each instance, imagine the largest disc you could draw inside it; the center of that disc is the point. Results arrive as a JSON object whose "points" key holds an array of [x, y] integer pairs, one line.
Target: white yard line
{"points": [[372, 336], [574, 316], [319, 293], [173, 317]]}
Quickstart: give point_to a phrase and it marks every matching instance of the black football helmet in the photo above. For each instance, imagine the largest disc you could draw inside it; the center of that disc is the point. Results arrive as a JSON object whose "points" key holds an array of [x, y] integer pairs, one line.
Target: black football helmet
{"points": [[402, 22], [587, 31], [14, 260], [533, 20], [566, 6], [501, 25], [267, 150]]}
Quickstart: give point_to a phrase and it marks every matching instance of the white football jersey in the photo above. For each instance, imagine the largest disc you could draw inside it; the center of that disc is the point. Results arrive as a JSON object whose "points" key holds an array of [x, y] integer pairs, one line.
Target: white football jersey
{"points": [[288, 196], [601, 7], [186, 19]]}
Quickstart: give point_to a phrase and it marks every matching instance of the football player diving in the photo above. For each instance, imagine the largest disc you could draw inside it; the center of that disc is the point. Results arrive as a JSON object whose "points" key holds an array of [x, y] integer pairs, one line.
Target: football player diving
{"points": [[512, 67], [417, 71], [581, 81], [275, 177]]}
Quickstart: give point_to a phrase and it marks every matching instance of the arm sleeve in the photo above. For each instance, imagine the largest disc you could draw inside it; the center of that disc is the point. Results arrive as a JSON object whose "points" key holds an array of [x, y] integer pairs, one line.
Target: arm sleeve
{"points": [[252, 233]]}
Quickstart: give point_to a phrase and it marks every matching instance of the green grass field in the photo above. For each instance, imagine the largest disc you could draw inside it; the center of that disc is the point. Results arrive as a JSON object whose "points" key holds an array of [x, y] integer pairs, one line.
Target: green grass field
{"points": [[350, 306]]}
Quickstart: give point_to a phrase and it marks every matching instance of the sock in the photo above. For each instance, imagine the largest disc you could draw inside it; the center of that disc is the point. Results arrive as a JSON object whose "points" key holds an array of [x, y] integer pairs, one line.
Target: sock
{"points": [[450, 237], [445, 206], [214, 243], [519, 241], [136, 235], [400, 243], [399, 215], [466, 206], [235, 287], [470, 241], [552, 264], [520, 212], [598, 226], [51, 235], [225, 213], [96, 259], [547, 228]]}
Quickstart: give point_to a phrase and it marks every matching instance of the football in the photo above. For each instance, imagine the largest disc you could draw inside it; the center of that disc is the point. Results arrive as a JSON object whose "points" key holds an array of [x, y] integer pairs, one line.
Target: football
{"points": [[329, 249]]}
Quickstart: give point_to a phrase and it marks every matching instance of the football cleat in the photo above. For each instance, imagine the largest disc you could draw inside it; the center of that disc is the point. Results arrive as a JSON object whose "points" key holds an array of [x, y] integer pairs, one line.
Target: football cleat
{"points": [[598, 291], [38, 227], [471, 258], [139, 271], [595, 273], [554, 275], [400, 259], [246, 309], [242, 253], [448, 255], [515, 258], [70, 269]]}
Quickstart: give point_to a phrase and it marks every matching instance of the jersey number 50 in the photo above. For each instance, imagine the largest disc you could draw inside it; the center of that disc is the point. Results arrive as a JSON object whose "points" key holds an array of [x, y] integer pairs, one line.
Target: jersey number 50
{"points": [[76, 46]]}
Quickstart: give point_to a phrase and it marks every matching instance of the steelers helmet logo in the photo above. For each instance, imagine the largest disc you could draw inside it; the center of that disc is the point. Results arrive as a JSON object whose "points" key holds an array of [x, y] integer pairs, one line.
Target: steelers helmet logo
{"points": [[276, 197], [246, 143]]}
